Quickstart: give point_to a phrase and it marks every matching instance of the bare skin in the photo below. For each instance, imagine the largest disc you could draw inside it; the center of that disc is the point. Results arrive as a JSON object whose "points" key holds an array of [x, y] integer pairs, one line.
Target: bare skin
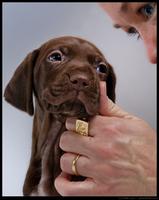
{"points": [[119, 155], [136, 19]]}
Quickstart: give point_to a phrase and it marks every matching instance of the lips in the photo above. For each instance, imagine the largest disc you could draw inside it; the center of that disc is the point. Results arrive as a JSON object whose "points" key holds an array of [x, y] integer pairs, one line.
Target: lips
{"points": [[72, 103], [91, 104]]}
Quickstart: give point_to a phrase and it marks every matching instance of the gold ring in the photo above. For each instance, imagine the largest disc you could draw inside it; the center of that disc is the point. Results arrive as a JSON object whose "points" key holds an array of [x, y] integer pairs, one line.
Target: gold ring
{"points": [[74, 169], [82, 127]]}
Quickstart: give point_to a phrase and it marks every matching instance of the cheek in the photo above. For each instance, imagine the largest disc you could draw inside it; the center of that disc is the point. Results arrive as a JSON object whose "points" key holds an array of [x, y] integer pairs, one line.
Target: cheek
{"points": [[148, 35], [148, 32], [42, 74]]}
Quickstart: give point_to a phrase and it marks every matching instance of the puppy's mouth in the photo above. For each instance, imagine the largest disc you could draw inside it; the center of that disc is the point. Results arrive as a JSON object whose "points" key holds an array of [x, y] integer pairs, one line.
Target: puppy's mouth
{"points": [[73, 103], [69, 108]]}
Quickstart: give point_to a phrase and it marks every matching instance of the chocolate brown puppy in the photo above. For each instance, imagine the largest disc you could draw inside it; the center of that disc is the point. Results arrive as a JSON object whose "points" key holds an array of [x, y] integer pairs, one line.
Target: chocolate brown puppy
{"points": [[63, 77]]}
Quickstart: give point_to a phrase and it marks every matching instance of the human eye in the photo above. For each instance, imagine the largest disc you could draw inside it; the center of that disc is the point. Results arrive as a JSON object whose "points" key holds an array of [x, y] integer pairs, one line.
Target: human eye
{"points": [[133, 32], [147, 10]]}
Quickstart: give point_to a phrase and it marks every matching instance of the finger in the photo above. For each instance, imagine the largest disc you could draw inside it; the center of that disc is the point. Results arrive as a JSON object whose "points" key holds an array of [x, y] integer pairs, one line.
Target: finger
{"points": [[75, 143], [82, 164], [66, 187], [78, 126], [94, 125], [108, 108], [71, 124]]}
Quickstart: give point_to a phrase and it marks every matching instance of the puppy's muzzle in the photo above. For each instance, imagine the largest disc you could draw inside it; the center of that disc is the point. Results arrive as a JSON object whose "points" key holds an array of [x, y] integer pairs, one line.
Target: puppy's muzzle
{"points": [[79, 82]]}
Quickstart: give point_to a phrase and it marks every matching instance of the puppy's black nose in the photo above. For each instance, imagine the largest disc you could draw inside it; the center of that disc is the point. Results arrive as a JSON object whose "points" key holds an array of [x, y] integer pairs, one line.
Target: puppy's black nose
{"points": [[79, 82]]}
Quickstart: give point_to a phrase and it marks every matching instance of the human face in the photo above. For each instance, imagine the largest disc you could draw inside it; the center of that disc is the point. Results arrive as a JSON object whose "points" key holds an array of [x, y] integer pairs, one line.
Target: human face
{"points": [[139, 19]]}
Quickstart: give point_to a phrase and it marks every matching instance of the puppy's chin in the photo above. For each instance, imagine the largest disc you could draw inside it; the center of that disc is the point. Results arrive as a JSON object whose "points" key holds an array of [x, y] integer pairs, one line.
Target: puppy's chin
{"points": [[70, 109], [75, 108], [75, 104]]}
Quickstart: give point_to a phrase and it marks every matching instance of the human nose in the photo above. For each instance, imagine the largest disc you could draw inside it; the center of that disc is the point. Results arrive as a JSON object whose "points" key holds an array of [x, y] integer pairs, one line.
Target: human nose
{"points": [[149, 39], [151, 52]]}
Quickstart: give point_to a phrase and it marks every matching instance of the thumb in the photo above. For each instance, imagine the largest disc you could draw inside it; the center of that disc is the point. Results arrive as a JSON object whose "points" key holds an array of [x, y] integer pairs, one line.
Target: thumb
{"points": [[108, 108]]}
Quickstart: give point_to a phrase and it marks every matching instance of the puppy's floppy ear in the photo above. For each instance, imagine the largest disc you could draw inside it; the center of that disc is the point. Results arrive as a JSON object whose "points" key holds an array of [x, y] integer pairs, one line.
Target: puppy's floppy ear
{"points": [[111, 83], [19, 91]]}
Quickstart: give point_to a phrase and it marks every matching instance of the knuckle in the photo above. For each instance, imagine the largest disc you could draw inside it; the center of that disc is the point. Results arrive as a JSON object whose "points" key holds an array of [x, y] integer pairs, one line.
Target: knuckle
{"points": [[83, 164], [89, 146], [105, 150], [63, 191], [94, 120], [56, 183], [63, 138], [66, 192], [65, 162], [69, 191], [113, 129], [62, 162]]}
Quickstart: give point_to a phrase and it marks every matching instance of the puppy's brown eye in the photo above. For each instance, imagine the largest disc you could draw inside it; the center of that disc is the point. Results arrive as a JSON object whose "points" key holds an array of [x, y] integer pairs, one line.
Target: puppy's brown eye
{"points": [[55, 56], [102, 68]]}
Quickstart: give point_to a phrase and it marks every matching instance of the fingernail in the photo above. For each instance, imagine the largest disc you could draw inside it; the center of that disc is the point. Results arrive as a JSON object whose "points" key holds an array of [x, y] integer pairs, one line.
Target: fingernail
{"points": [[71, 123]]}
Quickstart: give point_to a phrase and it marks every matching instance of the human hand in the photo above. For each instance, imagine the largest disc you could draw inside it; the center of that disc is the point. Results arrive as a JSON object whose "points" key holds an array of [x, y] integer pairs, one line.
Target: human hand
{"points": [[118, 157]]}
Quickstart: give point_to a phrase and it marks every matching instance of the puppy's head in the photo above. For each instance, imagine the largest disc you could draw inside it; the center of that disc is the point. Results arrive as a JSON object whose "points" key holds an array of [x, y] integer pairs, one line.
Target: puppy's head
{"points": [[64, 75]]}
